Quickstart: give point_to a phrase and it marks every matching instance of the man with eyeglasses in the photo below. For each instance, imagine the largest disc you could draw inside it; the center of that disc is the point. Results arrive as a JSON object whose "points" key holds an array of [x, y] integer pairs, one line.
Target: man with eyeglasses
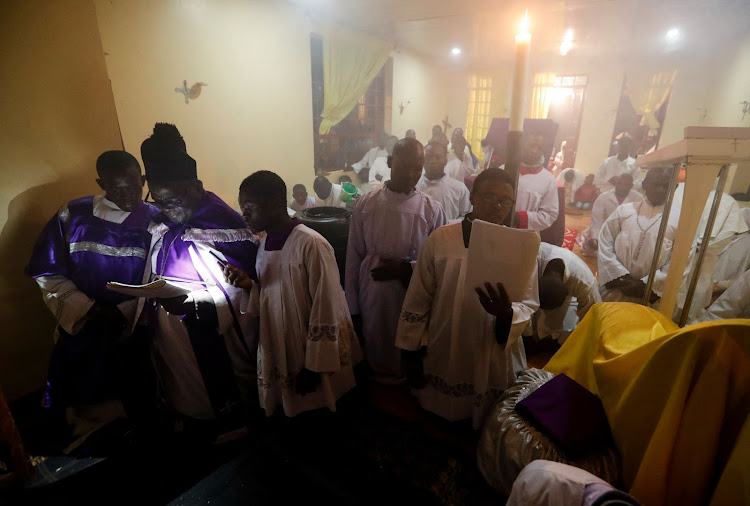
{"points": [[96, 365], [203, 345], [464, 369]]}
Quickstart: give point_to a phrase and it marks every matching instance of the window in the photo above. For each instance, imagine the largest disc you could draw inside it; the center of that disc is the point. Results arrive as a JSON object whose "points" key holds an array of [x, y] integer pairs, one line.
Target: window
{"points": [[348, 141], [559, 98], [478, 116], [628, 120]]}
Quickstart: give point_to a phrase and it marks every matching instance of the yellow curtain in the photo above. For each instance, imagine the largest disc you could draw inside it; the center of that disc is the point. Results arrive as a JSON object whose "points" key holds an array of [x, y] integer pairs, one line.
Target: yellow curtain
{"points": [[647, 91], [541, 95], [478, 115], [350, 63]]}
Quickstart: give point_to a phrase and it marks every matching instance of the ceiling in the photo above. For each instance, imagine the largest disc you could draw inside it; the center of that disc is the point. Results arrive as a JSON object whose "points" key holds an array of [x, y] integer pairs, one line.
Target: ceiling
{"points": [[484, 29]]}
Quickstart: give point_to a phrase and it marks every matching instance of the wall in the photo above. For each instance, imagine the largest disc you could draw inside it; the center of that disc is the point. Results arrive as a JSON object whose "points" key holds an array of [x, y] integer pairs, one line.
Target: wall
{"points": [[420, 82], [255, 113], [731, 86], [58, 116]]}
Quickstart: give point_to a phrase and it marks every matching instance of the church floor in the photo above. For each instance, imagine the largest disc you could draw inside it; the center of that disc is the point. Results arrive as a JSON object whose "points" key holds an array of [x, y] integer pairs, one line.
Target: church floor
{"points": [[378, 449]]}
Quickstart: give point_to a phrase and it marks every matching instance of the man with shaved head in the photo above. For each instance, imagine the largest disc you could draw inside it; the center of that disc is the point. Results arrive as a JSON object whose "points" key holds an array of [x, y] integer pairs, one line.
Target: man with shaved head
{"points": [[386, 232], [627, 241]]}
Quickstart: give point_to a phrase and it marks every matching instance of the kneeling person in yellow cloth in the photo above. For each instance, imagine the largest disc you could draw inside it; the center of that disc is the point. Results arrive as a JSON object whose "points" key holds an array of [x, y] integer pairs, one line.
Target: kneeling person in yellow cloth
{"points": [[676, 400]]}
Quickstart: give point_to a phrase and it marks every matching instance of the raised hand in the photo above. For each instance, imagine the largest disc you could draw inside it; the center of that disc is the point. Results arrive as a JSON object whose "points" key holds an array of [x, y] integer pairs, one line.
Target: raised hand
{"points": [[495, 300]]}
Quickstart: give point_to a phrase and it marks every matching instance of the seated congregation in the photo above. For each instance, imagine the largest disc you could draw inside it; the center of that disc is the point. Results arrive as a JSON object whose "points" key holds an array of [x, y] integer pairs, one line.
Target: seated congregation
{"points": [[630, 407]]}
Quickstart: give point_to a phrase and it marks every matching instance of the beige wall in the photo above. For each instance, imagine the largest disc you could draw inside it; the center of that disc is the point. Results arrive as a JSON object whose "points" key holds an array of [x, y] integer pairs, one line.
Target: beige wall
{"points": [[57, 117], [419, 81], [255, 113]]}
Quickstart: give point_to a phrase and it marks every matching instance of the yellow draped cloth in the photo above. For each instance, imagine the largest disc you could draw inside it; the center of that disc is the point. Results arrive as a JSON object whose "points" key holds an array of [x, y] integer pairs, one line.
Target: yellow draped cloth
{"points": [[677, 400]]}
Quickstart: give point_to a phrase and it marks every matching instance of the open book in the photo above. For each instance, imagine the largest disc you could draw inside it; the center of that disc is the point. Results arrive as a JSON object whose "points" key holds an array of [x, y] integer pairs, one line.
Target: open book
{"points": [[159, 289], [504, 255]]}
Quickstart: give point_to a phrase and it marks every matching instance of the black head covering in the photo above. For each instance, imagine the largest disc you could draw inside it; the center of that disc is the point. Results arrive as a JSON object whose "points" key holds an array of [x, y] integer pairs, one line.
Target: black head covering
{"points": [[165, 156]]}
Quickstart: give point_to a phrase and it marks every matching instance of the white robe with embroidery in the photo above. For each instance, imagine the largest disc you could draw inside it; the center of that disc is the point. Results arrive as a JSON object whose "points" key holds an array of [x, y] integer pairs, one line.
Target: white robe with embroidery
{"points": [[452, 195], [582, 286], [604, 205], [618, 247], [304, 322], [385, 224], [465, 368]]}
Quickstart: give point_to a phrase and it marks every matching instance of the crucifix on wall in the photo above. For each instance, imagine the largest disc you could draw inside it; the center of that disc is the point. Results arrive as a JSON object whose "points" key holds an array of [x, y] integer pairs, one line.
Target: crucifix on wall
{"points": [[446, 125]]}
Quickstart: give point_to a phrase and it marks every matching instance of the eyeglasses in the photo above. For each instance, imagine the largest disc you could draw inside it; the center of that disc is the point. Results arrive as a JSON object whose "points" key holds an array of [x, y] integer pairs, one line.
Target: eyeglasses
{"points": [[164, 203], [491, 198]]}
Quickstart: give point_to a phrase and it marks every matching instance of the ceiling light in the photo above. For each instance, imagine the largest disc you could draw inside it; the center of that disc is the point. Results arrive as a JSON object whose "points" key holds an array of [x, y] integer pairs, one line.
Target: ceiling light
{"points": [[673, 34], [456, 51]]}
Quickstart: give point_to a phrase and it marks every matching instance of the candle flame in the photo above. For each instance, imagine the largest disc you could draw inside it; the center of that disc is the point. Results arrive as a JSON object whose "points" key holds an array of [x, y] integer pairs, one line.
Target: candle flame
{"points": [[525, 24]]}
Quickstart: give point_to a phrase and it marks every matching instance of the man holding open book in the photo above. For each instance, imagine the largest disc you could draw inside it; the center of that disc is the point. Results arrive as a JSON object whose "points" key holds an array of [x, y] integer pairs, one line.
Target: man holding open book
{"points": [[459, 313]]}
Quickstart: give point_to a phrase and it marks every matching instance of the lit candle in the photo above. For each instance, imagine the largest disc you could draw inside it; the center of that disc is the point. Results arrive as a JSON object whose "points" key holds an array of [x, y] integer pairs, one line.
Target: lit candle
{"points": [[518, 98]]}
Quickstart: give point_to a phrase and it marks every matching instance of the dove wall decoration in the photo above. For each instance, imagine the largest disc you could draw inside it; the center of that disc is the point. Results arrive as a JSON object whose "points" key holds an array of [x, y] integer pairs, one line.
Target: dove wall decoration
{"points": [[190, 93]]}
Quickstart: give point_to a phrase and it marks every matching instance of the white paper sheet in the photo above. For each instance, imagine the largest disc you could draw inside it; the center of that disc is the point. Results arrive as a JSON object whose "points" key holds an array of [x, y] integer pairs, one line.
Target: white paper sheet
{"points": [[159, 289], [504, 255]]}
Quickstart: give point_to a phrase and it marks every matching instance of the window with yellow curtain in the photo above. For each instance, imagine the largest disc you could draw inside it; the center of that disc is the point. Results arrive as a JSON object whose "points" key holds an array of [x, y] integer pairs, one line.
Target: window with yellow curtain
{"points": [[541, 95], [478, 115]]}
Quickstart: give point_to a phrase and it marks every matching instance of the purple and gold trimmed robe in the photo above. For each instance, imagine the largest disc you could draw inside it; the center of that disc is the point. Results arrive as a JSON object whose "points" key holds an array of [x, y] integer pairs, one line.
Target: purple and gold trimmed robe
{"points": [[88, 243], [205, 366]]}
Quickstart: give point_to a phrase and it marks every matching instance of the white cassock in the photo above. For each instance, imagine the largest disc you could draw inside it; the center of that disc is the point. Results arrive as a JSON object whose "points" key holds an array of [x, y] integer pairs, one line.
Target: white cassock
{"points": [[626, 246], [729, 218], [309, 202], [547, 483], [734, 303], [536, 200], [452, 195], [304, 322], [379, 168], [385, 224], [465, 369], [612, 167], [733, 260], [604, 205], [333, 199], [729, 221], [369, 158], [582, 286], [457, 168], [570, 188]]}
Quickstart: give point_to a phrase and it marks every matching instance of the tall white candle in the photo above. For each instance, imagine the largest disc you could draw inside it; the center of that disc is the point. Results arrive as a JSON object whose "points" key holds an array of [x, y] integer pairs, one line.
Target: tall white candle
{"points": [[518, 97]]}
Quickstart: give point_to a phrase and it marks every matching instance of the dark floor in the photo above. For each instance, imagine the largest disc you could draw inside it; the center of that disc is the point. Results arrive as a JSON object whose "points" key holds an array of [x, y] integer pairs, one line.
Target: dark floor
{"points": [[378, 449]]}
